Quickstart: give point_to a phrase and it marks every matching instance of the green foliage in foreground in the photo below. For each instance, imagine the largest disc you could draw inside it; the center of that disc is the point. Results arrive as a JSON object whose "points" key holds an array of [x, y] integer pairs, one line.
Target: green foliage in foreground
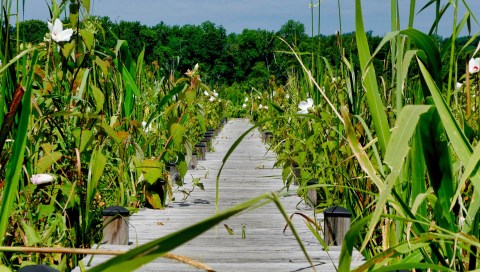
{"points": [[403, 154], [389, 136], [84, 127]]}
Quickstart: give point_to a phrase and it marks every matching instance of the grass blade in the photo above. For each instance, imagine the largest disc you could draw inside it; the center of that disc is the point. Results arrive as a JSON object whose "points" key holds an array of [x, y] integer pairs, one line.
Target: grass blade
{"points": [[374, 101], [14, 166], [137, 257]]}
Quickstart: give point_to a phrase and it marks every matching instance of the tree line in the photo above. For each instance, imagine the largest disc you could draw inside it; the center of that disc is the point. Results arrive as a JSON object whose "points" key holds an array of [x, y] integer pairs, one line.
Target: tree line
{"points": [[251, 58]]}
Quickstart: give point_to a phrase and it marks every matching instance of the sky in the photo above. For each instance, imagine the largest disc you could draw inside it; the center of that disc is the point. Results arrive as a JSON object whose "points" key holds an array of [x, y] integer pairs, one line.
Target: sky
{"points": [[270, 15]]}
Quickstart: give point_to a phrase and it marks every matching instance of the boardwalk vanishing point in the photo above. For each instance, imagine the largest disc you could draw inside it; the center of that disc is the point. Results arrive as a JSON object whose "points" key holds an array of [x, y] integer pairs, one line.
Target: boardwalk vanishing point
{"points": [[257, 241]]}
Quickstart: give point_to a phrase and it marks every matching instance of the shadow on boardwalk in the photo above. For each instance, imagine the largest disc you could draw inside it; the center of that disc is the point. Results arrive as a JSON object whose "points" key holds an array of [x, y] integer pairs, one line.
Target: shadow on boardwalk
{"points": [[248, 173]]}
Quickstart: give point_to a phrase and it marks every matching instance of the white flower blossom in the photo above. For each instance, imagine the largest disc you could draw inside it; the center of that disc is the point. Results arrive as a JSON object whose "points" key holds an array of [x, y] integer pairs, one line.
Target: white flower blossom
{"points": [[206, 93], [458, 86], [212, 98], [305, 105], [39, 179], [246, 99], [145, 128], [244, 105], [58, 33], [215, 93], [474, 65], [287, 96], [265, 107], [260, 106]]}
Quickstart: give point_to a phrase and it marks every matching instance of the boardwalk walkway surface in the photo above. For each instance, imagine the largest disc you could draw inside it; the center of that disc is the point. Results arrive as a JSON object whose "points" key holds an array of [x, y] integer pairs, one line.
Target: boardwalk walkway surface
{"points": [[248, 173]]}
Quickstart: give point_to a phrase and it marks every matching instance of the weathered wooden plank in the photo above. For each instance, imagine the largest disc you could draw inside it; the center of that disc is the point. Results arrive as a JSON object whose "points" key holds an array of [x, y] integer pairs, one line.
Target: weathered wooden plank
{"points": [[249, 172]]}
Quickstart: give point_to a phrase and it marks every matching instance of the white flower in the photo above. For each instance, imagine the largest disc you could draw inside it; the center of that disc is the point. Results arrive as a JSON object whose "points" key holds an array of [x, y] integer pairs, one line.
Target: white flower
{"points": [[258, 97], [215, 93], [205, 93], [145, 128], [212, 98], [244, 105], [57, 32], [458, 86], [260, 106], [246, 99], [474, 65], [287, 96], [265, 107], [305, 105], [39, 179]]}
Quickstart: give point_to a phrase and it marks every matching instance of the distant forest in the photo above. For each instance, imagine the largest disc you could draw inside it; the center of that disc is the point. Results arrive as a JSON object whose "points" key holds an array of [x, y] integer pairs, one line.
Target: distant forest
{"points": [[251, 58]]}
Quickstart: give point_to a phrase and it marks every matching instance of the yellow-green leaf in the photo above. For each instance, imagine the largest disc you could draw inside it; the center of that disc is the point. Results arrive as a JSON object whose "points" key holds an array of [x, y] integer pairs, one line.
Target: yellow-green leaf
{"points": [[87, 37], [177, 131], [46, 161], [99, 98], [152, 170]]}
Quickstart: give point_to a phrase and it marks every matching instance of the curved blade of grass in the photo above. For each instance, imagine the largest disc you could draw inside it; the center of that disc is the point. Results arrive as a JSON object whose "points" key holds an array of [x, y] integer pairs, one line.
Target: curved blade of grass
{"points": [[459, 142], [404, 248], [374, 101], [240, 139], [360, 153], [345, 259], [139, 256], [371, 139], [398, 146], [275, 199], [14, 166], [397, 151]]}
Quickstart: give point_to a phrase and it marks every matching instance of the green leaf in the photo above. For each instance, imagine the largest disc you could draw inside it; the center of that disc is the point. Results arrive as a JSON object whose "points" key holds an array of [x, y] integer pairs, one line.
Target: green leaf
{"points": [[374, 101], [46, 161], [32, 235], [86, 4], [4, 269], [345, 258], [398, 145], [182, 168], [102, 64], [87, 37], [177, 131], [82, 138], [459, 143], [14, 165], [152, 170], [98, 97], [154, 199], [110, 132]]}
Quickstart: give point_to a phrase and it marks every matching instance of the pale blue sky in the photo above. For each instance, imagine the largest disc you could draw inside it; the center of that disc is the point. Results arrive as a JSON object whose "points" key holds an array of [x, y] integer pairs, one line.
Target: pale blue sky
{"points": [[263, 14]]}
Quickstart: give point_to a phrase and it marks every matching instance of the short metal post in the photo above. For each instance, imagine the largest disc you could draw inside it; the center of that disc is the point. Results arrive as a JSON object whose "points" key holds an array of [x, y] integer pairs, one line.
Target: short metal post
{"points": [[201, 150], [193, 161], [174, 175], [336, 224], [312, 194], [37, 268], [115, 225]]}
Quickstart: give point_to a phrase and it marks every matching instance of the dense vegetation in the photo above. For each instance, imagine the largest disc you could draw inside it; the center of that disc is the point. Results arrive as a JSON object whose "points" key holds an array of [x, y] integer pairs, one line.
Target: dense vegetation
{"points": [[251, 58], [92, 112]]}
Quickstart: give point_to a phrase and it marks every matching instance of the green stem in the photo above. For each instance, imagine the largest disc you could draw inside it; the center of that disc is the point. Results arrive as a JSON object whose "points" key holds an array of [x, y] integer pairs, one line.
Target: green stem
{"points": [[452, 52]]}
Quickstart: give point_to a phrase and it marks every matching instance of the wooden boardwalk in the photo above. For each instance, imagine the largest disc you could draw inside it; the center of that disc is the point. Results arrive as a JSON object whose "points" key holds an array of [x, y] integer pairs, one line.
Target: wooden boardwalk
{"points": [[248, 173]]}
